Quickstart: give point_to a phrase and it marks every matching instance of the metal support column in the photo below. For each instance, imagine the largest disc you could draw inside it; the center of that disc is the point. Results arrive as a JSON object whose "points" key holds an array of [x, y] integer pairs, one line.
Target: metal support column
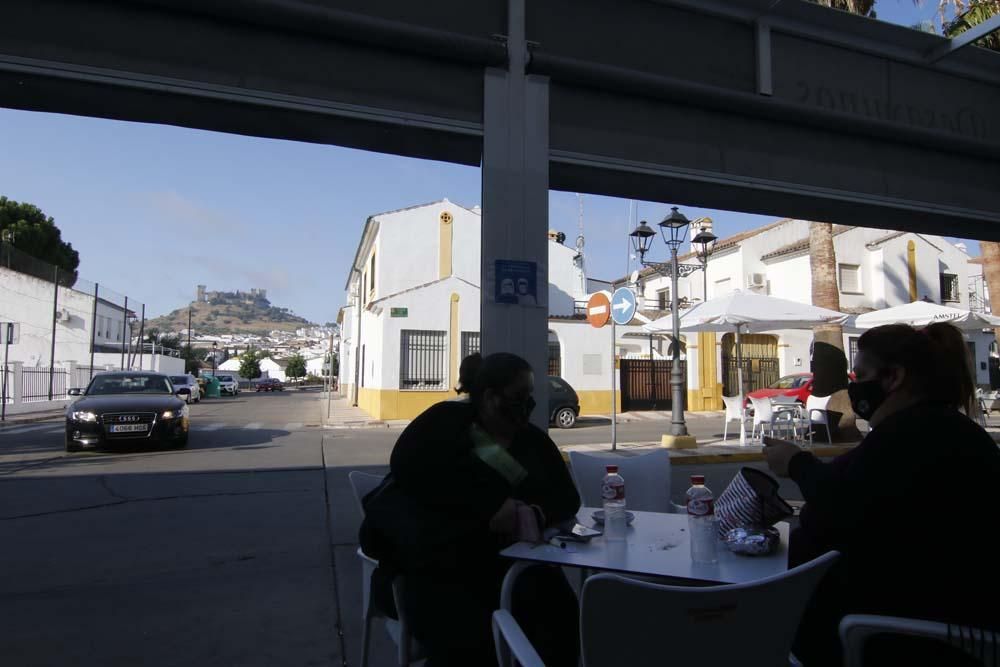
{"points": [[515, 177]]}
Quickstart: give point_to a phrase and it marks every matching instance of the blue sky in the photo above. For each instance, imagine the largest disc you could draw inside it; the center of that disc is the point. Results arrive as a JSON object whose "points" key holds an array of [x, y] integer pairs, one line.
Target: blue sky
{"points": [[155, 210]]}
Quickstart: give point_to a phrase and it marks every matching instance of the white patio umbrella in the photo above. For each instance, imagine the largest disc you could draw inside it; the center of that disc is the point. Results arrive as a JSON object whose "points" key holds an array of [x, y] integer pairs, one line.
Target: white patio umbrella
{"points": [[922, 313], [748, 312]]}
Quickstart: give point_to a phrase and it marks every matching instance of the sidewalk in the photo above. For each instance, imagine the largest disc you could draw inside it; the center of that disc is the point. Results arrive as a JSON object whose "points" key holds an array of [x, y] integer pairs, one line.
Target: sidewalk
{"points": [[344, 415], [30, 417]]}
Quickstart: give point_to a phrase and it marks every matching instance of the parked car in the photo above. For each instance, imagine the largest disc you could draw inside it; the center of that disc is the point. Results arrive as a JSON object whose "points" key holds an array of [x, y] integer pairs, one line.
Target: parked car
{"points": [[191, 383], [270, 384], [127, 407], [798, 385], [564, 404], [228, 385]]}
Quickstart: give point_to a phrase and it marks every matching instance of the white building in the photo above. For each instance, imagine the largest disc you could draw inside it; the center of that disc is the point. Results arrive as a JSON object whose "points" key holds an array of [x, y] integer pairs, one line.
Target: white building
{"points": [[415, 281], [876, 269], [85, 330], [269, 368]]}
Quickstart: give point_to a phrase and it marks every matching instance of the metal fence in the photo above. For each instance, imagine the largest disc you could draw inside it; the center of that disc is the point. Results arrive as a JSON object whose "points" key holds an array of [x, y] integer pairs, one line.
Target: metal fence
{"points": [[423, 363], [757, 374], [35, 384], [6, 385]]}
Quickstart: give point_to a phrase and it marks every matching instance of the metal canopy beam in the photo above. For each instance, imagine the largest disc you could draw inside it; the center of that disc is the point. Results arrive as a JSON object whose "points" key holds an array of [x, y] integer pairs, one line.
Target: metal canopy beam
{"points": [[968, 37], [805, 111]]}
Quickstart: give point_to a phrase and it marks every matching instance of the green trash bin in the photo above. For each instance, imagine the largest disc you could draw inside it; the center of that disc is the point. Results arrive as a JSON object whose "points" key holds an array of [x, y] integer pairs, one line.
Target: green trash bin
{"points": [[212, 387]]}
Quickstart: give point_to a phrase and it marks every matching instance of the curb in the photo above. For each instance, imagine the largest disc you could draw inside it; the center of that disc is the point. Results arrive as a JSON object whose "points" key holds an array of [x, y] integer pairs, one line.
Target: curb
{"points": [[680, 457]]}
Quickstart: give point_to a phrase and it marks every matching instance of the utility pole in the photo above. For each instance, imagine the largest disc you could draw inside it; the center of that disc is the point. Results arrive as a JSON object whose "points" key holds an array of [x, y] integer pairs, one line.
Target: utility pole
{"points": [[93, 332], [124, 325], [329, 375], [55, 312]]}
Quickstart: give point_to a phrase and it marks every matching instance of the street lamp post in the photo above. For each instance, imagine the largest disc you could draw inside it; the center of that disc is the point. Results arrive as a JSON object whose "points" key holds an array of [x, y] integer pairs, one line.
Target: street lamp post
{"points": [[215, 347], [674, 228]]}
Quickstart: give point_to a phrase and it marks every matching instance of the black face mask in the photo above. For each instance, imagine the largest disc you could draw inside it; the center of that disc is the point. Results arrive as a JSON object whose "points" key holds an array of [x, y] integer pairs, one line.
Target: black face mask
{"points": [[518, 411], [866, 397]]}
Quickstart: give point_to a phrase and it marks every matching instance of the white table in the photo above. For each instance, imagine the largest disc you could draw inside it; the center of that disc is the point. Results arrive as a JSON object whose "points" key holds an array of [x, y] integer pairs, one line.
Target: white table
{"points": [[655, 545]]}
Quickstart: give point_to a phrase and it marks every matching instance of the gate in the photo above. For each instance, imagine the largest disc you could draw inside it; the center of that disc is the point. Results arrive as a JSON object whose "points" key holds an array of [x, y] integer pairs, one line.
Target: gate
{"points": [[760, 363], [645, 384]]}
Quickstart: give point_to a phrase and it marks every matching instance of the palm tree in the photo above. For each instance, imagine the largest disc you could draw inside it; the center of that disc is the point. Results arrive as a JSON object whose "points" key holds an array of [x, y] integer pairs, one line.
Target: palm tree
{"points": [[829, 364], [991, 271], [971, 13]]}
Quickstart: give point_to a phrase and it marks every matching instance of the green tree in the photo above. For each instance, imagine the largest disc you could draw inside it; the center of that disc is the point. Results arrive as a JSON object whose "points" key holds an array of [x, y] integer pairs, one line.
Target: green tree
{"points": [[250, 364], [32, 232], [193, 358], [296, 366], [970, 13]]}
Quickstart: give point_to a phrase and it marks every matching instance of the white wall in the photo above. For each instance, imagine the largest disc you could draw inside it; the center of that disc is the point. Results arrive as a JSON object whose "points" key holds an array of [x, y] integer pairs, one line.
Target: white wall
{"points": [[427, 309], [577, 340], [28, 301], [791, 279]]}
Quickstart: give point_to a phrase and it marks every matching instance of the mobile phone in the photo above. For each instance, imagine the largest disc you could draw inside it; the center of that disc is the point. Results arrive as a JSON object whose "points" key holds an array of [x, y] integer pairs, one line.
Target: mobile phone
{"points": [[579, 533]]}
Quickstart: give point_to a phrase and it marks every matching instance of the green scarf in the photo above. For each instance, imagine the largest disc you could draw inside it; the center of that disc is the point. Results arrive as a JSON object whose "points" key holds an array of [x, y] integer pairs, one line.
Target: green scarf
{"points": [[495, 456]]}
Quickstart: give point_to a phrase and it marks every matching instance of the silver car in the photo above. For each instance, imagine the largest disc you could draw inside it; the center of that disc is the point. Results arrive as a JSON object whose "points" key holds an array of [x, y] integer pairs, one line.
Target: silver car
{"points": [[188, 382]]}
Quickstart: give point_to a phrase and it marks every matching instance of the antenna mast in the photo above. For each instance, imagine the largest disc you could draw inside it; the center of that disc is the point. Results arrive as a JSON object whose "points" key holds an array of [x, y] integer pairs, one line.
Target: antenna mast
{"points": [[579, 258]]}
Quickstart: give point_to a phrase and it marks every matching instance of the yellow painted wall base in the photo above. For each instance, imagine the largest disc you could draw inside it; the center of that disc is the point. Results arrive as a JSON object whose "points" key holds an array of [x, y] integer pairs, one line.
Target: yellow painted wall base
{"points": [[679, 442], [598, 402], [395, 404]]}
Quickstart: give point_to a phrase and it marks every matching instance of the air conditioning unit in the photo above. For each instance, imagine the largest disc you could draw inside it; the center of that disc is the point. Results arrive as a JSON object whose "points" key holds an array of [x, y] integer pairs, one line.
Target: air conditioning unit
{"points": [[63, 315], [756, 280]]}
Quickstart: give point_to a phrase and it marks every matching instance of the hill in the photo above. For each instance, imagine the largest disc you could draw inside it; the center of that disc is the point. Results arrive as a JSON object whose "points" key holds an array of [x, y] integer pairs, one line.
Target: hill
{"points": [[222, 315]]}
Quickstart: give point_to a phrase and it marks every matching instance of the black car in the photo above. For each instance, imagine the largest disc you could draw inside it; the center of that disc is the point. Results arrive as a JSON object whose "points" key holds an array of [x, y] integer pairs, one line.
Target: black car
{"points": [[564, 405], [127, 408]]}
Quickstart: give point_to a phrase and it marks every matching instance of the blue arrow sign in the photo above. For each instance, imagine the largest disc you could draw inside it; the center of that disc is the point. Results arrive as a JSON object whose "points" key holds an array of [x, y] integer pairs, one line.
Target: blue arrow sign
{"points": [[623, 305]]}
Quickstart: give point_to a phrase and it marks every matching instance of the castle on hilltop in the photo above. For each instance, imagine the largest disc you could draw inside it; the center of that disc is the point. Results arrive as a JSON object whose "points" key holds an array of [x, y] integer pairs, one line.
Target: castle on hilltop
{"points": [[255, 295]]}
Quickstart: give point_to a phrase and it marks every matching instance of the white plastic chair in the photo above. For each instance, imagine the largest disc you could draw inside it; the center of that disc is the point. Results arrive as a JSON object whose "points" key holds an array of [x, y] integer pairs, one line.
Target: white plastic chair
{"points": [[752, 623], [734, 410], [408, 650], [763, 415], [857, 629], [816, 414], [647, 479]]}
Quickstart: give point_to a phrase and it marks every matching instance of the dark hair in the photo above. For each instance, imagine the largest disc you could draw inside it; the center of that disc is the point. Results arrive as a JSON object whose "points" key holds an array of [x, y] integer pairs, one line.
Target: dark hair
{"points": [[496, 372], [955, 362], [936, 359], [467, 372]]}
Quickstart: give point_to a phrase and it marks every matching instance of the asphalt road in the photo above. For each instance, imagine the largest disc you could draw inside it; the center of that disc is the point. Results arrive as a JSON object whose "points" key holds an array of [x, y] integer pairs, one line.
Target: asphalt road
{"points": [[236, 551]]}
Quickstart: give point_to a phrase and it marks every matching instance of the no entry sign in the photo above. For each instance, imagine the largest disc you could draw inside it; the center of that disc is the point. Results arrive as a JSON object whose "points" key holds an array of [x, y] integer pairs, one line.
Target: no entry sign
{"points": [[598, 310]]}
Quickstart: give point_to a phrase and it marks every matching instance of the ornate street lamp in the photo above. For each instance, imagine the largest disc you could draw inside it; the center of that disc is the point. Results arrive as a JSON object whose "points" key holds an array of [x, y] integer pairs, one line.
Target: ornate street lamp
{"points": [[674, 228]]}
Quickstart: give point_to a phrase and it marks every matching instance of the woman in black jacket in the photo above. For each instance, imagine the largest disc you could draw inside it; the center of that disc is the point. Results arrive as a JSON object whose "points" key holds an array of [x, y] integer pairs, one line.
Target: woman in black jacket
{"points": [[467, 480], [910, 509]]}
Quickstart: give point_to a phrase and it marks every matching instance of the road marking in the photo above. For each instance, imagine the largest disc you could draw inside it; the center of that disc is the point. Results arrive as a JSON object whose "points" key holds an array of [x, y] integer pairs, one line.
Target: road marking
{"points": [[209, 427], [18, 430], [293, 426], [252, 426]]}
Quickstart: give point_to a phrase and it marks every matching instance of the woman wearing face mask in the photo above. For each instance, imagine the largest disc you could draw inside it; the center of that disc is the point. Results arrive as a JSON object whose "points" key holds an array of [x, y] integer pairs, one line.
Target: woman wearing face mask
{"points": [[468, 479], [910, 508]]}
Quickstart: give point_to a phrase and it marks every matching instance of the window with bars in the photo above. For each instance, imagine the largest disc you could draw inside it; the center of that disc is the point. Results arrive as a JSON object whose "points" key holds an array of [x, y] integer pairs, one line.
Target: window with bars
{"points": [[555, 358], [949, 287], [852, 351], [423, 363], [470, 343]]}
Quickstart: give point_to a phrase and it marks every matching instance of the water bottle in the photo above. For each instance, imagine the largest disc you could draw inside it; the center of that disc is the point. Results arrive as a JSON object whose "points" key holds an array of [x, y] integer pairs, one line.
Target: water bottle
{"points": [[701, 521], [613, 493]]}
